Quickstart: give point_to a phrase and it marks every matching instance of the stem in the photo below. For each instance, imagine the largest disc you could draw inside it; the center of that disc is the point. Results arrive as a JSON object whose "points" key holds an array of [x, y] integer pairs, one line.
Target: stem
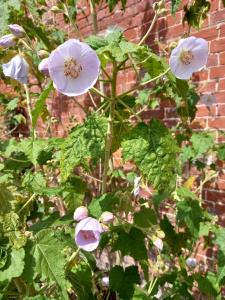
{"points": [[75, 27], [29, 105], [94, 16], [149, 30], [109, 135], [28, 201], [131, 110], [144, 83], [96, 91]]}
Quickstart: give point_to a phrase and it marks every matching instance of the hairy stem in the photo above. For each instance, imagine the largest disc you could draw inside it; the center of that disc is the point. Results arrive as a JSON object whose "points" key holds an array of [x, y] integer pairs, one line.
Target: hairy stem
{"points": [[149, 29], [109, 135], [29, 106]]}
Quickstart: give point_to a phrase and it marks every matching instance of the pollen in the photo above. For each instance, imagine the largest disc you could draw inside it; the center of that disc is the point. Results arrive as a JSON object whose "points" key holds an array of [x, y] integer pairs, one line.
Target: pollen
{"points": [[72, 68], [186, 57]]}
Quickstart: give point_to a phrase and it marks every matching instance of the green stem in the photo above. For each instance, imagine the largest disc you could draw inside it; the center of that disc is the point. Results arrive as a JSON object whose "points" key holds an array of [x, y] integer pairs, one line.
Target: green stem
{"points": [[29, 106], [94, 16], [144, 83], [75, 27], [130, 109], [28, 201], [109, 135], [97, 92]]}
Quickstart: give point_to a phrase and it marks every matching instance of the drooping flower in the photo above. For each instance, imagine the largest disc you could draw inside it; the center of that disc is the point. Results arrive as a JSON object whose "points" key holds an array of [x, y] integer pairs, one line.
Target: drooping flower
{"points": [[80, 213], [189, 56], [107, 217], [73, 67], [17, 68], [16, 30], [43, 66], [7, 40], [87, 234]]}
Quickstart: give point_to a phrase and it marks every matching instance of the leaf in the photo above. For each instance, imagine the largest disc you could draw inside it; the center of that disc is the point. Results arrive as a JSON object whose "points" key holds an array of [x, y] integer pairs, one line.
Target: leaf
{"points": [[223, 2], [145, 217], [96, 42], [6, 199], [85, 143], [154, 151], [106, 202], [50, 260], [174, 5], [221, 152], [208, 284], [12, 104], [190, 214], [4, 13], [122, 281], [34, 181], [40, 104], [132, 243], [220, 238], [32, 148], [140, 294], [14, 266]]}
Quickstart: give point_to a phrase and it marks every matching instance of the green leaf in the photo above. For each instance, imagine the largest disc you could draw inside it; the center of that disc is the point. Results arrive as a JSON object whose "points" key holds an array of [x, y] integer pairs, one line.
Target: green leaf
{"points": [[220, 238], [106, 202], [40, 104], [208, 284], [32, 148], [196, 13], [12, 104], [34, 181], [221, 152], [189, 213], [154, 151], [6, 199], [122, 281], [145, 217], [85, 143], [131, 243], [140, 294], [14, 266], [96, 42], [50, 260], [223, 2], [174, 5], [4, 13]]}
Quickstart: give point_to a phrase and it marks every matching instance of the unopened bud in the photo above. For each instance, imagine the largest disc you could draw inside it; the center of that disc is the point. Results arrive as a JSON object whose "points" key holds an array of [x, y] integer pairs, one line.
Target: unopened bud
{"points": [[107, 217], [7, 41], [158, 243], [80, 213], [55, 9], [191, 262], [16, 30], [43, 53], [43, 66], [105, 281]]}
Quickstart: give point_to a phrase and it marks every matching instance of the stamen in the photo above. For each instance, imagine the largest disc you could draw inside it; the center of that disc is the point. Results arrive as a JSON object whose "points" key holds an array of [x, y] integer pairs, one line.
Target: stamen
{"points": [[88, 235], [72, 68], [186, 57]]}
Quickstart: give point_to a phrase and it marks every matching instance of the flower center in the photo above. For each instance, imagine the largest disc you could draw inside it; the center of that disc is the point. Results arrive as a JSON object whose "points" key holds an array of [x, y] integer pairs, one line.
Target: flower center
{"points": [[186, 57], [88, 235], [72, 68]]}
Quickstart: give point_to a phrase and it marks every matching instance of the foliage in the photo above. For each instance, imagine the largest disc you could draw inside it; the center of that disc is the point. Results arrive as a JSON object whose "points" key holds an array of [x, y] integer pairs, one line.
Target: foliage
{"points": [[113, 161]]}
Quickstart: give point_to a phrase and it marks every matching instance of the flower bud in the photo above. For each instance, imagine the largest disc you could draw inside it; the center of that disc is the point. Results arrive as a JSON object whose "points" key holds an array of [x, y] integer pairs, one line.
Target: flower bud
{"points": [[107, 217], [55, 9], [80, 213], [43, 53], [16, 30], [158, 243], [43, 66], [17, 68], [191, 262], [105, 281], [7, 41]]}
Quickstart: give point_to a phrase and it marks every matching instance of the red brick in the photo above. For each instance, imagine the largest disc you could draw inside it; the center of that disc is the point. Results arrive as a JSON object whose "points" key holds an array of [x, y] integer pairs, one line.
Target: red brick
{"points": [[217, 46], [203, 111], [218, 123], [199, 123], [221, 86], [222, 58], [207, 87], [217, 17], [217, 72], [208, 33], [215, 195], [212, 60], [220, 97], [200, 76]]}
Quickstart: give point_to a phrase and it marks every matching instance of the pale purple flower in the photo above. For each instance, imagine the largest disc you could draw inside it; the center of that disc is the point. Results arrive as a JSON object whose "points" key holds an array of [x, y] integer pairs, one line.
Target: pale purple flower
{"points": [[136, 189], [7, 41], [189, 56], [87, 234], [158, 243], [191, 262], [80, 213], [43, 66], [16, 30], [17, 68], [73, 67], [107, 217], [105, 281]]}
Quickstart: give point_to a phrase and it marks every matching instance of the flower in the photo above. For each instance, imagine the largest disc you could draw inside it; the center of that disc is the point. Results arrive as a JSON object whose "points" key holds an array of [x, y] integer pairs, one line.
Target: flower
{"points": [[16, 30], [105, 281], [87, 234], [191, 262], [43, 66], [158, 243], [80, 213], [189, 56], [107, 217], [136, 189], [73, 67], [17, 68], [7, 41]]}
